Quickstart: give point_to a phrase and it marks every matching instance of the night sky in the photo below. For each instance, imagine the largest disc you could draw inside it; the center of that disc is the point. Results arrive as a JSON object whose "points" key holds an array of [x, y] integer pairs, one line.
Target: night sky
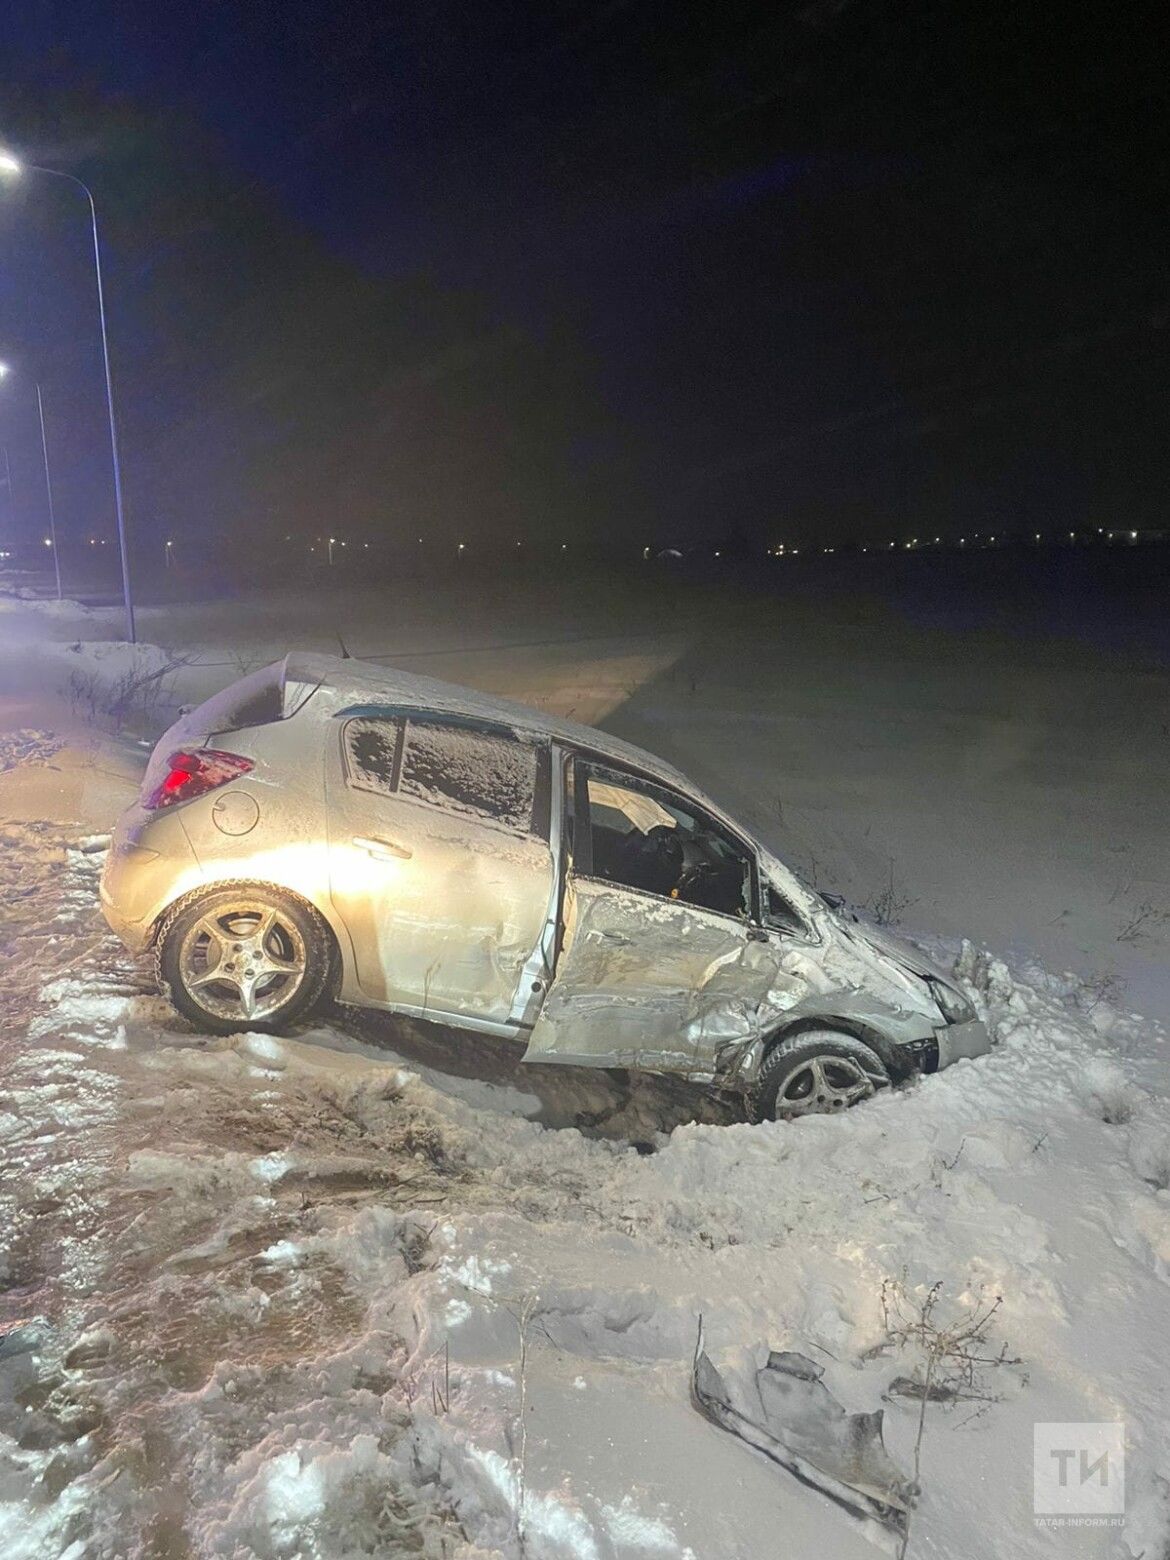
{"points": [[621, 272]]}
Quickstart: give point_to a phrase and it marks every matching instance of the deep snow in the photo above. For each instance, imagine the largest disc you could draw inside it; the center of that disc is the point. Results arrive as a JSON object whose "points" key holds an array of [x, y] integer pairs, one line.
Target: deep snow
{"points": [[377, 1290]]}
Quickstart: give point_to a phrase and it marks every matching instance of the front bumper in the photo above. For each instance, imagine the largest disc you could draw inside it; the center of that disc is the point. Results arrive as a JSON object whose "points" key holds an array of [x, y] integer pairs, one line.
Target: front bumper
{"points": [[958, 1040]]}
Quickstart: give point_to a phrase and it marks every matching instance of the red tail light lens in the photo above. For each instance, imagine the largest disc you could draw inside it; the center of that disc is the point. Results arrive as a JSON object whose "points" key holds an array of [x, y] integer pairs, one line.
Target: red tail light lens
{"points": [[193, 774]]}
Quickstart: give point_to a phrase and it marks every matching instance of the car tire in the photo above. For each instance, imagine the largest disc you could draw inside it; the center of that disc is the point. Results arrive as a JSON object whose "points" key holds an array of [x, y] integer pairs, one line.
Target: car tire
{"points": [[244, 956], [817, 1073]]}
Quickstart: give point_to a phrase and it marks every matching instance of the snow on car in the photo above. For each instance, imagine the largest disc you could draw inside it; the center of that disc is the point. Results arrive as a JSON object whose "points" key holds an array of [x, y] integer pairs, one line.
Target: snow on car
{"points": [[320, 826]]}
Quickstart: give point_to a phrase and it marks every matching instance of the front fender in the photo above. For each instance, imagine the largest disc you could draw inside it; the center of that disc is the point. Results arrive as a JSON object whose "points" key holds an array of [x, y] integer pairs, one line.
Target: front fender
{"points": [[898, 1035]]}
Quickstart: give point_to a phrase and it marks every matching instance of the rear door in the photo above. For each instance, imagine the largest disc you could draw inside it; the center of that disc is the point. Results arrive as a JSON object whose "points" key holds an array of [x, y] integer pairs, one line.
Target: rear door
{"points": [[440, 863], [661, 964]]}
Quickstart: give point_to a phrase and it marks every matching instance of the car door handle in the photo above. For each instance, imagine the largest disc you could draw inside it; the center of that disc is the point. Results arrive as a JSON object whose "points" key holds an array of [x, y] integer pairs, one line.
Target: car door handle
{"points": [[382, 848]]}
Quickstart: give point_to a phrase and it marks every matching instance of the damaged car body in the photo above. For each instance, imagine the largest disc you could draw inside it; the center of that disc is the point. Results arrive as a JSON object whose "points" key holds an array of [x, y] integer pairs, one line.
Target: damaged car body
{"points": [[325, 827]]}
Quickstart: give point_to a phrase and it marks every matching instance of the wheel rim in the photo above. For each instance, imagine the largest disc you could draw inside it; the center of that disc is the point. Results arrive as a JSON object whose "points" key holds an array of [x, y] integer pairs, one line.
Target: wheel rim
{"points": [[824, 1085], [243, 961]]}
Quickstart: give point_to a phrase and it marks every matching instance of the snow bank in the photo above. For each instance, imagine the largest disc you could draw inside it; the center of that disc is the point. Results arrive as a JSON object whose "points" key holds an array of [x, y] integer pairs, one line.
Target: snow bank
{"points": [[24, 599], [305, 1297]]}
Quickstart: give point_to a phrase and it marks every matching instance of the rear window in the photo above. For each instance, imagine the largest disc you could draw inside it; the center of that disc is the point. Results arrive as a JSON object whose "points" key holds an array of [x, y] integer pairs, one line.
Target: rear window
{"points": [[490, 775], [254, 700]]}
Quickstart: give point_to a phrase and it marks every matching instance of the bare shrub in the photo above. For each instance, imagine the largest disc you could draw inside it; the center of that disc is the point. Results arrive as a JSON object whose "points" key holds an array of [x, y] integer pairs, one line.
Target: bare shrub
{"points": [[246, 661], [524, 1310], [890, 903], [135, 696], [951, 1355], [1145, 921], [1100, 986]]}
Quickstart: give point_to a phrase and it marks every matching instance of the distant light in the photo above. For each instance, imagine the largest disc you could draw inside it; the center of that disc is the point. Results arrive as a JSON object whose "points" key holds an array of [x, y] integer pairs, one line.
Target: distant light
{"points": [[517, 544], [962, 541], [564, 546], [718, 555], [170, 544], [48, 541], [461, 546], [366, 545], [1072, 536], [1133, 536], [4, 370], [332, 540], [1037, 535], [991, 538], [9, 164], [92, 542], [936, 541]]}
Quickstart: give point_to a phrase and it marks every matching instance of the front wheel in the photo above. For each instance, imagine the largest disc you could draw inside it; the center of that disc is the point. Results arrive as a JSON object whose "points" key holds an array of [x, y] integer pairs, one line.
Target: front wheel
{"points": [[252, 956], [816, 1074]]}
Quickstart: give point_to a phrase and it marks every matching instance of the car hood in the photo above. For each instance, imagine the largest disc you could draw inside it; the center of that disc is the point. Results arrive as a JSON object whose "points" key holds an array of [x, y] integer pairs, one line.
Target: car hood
{"points": [[896, 949]]}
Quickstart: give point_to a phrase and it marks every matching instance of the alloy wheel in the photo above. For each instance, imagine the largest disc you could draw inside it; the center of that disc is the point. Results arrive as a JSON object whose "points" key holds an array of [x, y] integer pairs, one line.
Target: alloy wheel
{"points": [[824, 1085], [243, 961]]}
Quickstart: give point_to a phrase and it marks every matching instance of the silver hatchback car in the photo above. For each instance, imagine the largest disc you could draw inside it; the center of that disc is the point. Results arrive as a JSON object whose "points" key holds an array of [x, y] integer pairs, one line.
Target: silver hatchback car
{"points": [[324, 828]]}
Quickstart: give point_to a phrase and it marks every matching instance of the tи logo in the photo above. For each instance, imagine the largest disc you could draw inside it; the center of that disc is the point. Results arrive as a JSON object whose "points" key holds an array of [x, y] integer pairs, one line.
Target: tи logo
{"points": [[1078, 1471]]}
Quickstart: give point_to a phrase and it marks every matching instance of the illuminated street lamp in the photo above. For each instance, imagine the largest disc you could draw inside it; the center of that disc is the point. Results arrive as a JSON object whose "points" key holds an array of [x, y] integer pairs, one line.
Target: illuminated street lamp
{"points": [[51, 539], [13, 168]]}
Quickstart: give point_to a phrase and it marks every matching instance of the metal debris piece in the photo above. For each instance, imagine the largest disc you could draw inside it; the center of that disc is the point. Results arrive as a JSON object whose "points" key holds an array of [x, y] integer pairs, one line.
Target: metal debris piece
{"points": [[792, 1417]]}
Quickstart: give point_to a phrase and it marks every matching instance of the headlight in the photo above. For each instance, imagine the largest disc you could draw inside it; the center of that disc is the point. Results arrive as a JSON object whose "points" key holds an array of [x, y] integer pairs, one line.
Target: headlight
{"points": [[952, 1004]]}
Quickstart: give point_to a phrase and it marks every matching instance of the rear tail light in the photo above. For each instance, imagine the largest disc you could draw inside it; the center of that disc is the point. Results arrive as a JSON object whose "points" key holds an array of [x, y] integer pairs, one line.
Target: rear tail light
{"points": [[194, 774]]}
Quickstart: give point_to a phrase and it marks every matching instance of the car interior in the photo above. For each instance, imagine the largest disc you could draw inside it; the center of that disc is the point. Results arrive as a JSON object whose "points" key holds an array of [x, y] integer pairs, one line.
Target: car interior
{"points": [[644, 840]]}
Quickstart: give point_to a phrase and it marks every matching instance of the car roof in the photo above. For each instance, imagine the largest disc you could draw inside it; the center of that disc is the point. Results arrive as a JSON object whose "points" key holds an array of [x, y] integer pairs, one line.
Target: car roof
{"points": [[341, 684]]}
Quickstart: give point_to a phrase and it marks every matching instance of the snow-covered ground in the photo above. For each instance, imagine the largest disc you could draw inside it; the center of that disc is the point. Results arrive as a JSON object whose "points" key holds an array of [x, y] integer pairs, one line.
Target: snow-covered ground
{"points": [[379, 1290]]}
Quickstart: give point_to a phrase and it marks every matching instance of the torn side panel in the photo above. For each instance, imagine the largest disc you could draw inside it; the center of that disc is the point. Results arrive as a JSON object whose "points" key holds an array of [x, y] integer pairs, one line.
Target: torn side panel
{"points": [[648, 982], [786, 1411]]}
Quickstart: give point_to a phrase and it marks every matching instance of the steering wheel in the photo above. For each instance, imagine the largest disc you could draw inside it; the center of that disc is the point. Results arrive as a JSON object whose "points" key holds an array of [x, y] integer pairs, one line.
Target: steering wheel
{"points": [[663, 841], [655, 858]]}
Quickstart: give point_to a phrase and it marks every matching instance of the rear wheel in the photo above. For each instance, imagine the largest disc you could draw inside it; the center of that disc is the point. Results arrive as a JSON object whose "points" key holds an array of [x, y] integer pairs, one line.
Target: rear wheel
{"points": [[252, 956], [820, 1073]]}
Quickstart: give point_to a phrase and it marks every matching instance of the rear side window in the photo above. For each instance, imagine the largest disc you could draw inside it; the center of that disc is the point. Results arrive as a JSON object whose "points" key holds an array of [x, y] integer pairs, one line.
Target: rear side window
{"points": [[372, 753], [480, 774]]}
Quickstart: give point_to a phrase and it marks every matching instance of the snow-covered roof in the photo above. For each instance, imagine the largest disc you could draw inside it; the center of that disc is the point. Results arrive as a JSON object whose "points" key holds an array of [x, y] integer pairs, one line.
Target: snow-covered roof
{"points": [[350, 681]]}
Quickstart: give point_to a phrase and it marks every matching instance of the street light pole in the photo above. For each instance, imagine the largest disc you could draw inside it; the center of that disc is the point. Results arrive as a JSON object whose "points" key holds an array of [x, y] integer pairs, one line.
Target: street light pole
{"points": [[49, 492], [11, 165]]}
